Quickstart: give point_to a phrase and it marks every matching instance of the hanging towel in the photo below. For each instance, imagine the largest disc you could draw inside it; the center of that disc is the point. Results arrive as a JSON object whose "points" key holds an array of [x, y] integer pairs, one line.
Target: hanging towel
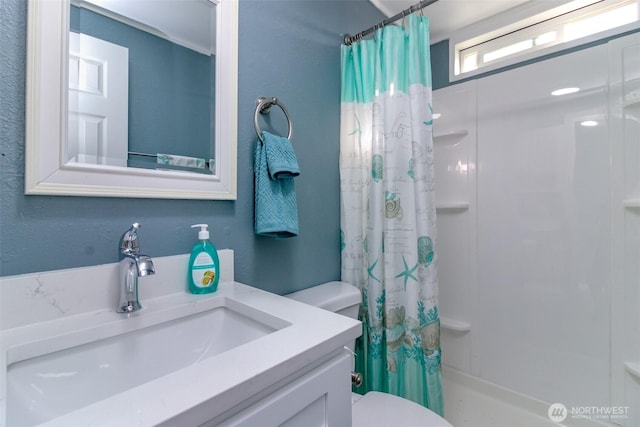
{"points": [[185, 161], [276, 208], [281, 158]]}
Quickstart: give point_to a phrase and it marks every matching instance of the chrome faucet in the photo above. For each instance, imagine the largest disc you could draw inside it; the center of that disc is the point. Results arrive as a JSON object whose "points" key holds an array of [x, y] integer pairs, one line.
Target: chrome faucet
{"points": [[132, 265]]}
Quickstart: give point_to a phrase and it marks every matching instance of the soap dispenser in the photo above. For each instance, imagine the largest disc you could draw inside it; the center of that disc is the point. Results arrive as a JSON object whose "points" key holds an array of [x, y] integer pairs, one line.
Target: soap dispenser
{"points": [[204, 265]]}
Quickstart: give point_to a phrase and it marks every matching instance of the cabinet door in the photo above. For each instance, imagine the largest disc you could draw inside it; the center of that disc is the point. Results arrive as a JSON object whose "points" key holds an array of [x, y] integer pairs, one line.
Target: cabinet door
{"points": [[321, 397]]}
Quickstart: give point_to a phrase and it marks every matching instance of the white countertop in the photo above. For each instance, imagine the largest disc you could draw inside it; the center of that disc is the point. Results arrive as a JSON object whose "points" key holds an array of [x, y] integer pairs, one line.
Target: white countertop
{"points": [[207, 388]]}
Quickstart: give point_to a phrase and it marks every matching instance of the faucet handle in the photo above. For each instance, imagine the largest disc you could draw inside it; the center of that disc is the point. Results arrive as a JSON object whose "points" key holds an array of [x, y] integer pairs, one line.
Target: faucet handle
{"points": [[129, 243]]}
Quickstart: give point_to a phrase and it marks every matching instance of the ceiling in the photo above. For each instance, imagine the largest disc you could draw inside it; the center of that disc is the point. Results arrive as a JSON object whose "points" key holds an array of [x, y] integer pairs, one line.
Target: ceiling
{"points": [[448, 16], [167, 19]]}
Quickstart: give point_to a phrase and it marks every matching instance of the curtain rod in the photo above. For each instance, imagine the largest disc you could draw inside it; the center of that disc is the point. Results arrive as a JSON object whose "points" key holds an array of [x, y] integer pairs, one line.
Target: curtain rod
{"points": [[348, 39]]}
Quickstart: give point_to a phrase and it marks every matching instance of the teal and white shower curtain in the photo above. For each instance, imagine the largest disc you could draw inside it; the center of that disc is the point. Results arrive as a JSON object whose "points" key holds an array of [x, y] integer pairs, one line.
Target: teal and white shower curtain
{"points": [[388, 215]]}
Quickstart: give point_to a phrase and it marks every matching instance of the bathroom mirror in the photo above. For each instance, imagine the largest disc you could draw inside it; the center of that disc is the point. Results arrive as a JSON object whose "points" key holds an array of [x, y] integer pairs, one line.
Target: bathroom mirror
{"points": [[54, 164]]}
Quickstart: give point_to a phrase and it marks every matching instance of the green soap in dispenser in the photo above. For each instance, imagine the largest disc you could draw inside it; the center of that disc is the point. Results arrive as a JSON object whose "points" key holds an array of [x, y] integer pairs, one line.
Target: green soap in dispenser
{"points": [[204, 265]]}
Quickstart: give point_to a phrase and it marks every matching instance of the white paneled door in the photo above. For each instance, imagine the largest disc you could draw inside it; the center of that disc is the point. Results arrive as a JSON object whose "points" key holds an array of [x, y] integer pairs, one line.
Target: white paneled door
{"points": [[98, 101]]}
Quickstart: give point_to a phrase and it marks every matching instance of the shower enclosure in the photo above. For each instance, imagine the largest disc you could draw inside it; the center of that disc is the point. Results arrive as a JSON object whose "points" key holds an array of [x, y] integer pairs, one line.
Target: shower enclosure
{"points": [[538, 201]]}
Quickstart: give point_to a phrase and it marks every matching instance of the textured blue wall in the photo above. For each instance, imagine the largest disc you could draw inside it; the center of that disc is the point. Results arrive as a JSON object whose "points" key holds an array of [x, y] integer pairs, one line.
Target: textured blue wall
{"points": [[288, 49]]}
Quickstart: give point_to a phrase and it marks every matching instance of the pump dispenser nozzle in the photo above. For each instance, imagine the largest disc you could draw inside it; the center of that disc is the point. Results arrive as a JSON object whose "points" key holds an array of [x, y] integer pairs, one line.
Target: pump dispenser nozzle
{"points": [[203, 234]]}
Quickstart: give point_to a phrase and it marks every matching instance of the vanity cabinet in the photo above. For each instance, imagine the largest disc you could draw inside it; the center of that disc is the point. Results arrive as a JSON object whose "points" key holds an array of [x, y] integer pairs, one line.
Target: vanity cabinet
{"points": [[262, 359], [317, 397]]}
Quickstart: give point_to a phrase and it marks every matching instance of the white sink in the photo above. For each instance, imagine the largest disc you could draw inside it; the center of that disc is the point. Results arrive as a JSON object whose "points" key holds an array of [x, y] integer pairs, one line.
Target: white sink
{"points": [[182, 360], [48, 386]]}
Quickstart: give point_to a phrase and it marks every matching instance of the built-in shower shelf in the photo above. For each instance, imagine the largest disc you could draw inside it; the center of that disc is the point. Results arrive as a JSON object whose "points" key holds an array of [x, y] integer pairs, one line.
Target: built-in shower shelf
{"points": [[452, 206], [631, 203], [450, 138], [454, 325], [633, 369], [631, 103]]}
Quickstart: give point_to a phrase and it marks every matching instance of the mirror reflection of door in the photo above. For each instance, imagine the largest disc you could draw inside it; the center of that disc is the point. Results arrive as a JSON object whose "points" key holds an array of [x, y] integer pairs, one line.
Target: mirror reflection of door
{"points": [[98, 101], [170, 84]]}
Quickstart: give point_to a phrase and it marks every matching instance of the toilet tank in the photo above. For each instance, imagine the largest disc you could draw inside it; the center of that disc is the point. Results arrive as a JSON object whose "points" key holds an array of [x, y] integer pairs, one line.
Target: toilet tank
{"points": [[339, 297]]}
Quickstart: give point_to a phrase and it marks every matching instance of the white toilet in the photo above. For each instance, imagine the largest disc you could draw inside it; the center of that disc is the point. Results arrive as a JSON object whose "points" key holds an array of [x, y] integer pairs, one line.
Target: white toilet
{"points": [[374, 409]]}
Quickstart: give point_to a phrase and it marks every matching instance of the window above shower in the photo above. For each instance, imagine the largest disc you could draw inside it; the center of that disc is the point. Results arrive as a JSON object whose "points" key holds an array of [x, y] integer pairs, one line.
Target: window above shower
{"points": [[527, 32]]}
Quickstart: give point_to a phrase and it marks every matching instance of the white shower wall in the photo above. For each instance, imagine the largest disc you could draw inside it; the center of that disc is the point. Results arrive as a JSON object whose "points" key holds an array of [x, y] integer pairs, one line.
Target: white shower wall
{"points": [[527, 227]]}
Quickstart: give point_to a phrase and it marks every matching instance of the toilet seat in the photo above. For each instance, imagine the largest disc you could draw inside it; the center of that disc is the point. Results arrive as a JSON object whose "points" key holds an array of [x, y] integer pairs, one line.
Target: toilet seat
{"points": [[377, 409]]}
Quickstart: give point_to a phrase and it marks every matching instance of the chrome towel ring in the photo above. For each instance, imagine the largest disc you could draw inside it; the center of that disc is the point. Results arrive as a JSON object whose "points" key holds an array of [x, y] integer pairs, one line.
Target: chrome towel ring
{"points": [[263, 106]]}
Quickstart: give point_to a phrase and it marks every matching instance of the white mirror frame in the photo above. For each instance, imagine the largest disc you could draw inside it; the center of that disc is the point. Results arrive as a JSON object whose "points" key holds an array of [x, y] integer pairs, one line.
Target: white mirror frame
{"points": [[46, 119]]}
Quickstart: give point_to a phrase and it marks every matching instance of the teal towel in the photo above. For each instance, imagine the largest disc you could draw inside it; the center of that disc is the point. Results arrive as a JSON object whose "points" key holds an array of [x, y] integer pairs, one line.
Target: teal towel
{"points": [[175, 160], [276, 208], [281, 158]]}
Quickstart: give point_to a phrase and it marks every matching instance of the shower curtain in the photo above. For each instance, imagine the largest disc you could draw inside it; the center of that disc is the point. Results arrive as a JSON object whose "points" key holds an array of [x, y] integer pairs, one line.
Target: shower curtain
{"points": [[388, 218]]}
